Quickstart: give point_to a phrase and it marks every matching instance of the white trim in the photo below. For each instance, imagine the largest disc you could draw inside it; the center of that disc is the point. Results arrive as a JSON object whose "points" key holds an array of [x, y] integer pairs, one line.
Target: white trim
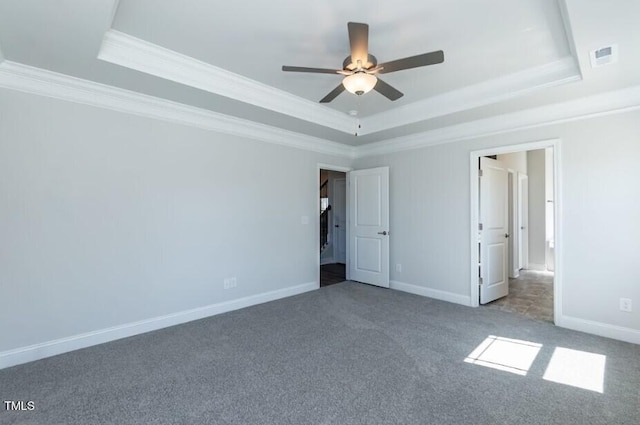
{"points": [[330, 167], [558, 269], [140, 55], [114, 11], [514, 272], [133, 53], [488, 92], [620, 333], [617, 101], [473, 225], [537, 267], [52, 84], [429, 292], [568, 30], [88, 339]]}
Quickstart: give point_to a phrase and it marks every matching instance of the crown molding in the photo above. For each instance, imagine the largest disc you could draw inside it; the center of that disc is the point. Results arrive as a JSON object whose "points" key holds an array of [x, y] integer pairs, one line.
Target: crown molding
{"points": [[33, 80], [37, 81], [131, 52], [568, 30], [488, 92], [114, 12], [613, 102]]}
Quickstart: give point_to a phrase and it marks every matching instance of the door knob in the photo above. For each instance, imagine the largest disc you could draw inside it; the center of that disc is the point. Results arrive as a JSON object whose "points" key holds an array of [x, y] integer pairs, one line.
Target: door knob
{"points": [[337, 225], [383, 233], [506, 235]]}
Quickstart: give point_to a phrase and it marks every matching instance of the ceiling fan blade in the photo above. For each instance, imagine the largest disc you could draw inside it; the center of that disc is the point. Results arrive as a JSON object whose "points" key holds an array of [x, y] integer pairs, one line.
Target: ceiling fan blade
{"points": [[387, 91], [359, 41], [334, 93], [304, 69], [425, 59]]}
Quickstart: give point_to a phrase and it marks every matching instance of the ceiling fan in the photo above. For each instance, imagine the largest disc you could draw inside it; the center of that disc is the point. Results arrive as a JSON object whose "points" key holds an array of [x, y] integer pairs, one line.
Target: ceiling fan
{"points": [[361, 68]]}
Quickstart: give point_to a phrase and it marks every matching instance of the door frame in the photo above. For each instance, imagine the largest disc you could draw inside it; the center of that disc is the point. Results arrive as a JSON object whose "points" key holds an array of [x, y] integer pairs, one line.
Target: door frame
{"points": [[316, 223], [512, 177], [557, 187]]}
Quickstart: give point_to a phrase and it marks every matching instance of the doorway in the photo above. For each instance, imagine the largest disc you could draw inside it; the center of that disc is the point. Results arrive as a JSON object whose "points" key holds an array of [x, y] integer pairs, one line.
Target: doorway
{"points": [[353, 225], [515, 222], [332, 225]]}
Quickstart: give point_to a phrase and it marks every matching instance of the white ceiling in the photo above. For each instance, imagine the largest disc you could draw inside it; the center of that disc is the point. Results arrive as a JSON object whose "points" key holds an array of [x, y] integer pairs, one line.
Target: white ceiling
{"points": [[255, 39], [500, 55]]}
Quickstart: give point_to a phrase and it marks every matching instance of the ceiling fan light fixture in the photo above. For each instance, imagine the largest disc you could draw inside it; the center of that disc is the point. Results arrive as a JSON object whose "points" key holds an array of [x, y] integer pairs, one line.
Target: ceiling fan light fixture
{"points": [[359, 83]]}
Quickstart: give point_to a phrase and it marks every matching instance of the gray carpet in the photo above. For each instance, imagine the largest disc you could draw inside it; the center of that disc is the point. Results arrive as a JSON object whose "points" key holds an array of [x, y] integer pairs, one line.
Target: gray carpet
{"points": [[344, 354]]}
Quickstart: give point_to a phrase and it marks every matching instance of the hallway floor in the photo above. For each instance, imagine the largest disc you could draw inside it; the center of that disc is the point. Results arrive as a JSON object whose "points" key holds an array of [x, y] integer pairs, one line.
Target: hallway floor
{"points": [[530, 295], [331, 274]]}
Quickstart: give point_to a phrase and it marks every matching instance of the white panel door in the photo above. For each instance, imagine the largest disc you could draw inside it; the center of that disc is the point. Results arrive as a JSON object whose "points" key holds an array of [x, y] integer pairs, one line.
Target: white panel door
{"points": [[494, 232], [339, 210], [523, 221], [369, 226]]}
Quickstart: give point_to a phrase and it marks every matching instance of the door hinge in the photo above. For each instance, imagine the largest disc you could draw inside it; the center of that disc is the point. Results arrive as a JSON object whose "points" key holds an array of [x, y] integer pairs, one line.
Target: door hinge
{"points": [[479, 226], [480, 281], [480, 172]]}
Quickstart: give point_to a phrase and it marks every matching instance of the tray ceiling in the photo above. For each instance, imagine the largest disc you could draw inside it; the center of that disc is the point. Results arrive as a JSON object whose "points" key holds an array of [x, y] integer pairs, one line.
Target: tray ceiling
{"points": [[227, 57]]}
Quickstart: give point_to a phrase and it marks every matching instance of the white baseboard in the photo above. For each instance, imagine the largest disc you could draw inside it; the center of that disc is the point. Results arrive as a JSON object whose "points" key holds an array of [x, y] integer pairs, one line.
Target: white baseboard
{"points": [[538, 267], [597, 328], [75, 342], [431, 293]]}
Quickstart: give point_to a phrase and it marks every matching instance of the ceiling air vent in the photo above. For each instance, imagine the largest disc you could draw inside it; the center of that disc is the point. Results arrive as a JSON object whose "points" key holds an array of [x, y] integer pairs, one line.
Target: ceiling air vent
{"points": [[604, 55]]}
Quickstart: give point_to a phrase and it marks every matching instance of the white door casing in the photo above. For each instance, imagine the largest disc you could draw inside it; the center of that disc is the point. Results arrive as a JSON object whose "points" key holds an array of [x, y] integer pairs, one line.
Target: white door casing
{"points": [[368, 233], [493, 216], [513, 224], [523, 221], [339, 211]]}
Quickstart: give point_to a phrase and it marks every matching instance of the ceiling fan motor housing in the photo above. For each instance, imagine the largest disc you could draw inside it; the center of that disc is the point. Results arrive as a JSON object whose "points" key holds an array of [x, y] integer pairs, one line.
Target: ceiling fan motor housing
{"points": [[350, 65]]}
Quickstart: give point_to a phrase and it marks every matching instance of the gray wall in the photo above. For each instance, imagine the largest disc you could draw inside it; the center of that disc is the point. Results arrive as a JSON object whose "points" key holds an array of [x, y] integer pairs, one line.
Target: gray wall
{"points": [[430, 198], [107, 218], [537, 209]]}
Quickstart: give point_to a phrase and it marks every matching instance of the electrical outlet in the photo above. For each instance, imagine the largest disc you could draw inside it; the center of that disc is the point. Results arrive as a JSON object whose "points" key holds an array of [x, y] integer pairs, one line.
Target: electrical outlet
{"points": [[625, 304], [230, 282], [399, 268]]}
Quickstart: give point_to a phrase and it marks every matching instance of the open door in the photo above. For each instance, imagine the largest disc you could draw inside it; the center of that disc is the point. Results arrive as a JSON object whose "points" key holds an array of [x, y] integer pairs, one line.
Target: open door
{"points": [[369, 226], [493, 232], [523, 221]]}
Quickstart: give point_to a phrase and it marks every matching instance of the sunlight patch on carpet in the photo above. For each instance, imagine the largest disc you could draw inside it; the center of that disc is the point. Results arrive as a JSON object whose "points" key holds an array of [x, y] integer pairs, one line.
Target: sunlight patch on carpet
{"points": [[577, 368], [510, 355]]}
